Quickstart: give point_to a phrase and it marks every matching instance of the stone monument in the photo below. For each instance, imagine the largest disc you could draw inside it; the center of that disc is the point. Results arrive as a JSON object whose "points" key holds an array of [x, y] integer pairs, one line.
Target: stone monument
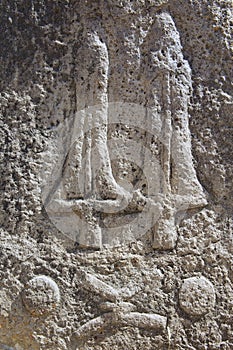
{"points": [[116, 175]]}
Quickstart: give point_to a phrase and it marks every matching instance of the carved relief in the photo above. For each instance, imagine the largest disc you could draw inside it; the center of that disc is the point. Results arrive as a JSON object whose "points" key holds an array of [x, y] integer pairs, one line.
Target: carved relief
{"points": [[41, 295], [88, 195], [115, 311], [197, 296]]}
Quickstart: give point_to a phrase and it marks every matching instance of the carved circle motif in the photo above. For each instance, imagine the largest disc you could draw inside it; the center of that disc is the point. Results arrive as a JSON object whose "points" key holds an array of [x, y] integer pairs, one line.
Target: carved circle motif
{"points": [[196, 296], [41, 295]]}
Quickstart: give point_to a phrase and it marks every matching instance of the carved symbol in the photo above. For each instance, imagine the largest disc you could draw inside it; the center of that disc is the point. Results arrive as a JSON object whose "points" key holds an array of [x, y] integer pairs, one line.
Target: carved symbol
{"points": [[116, 311], [196, 296], [41, 295], [83, 197]]}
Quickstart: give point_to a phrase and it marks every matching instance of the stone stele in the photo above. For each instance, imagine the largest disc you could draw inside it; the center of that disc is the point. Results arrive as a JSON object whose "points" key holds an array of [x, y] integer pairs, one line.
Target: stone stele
{"points": [[116, 175]]}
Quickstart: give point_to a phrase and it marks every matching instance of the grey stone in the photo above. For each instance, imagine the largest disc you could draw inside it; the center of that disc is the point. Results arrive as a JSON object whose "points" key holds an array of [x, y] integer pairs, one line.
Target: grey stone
{"points": [[116, 175]]}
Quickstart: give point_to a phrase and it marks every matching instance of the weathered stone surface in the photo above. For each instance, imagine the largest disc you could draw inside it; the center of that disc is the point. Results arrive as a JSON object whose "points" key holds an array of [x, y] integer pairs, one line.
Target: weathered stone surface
{"points": [[116, 175]]}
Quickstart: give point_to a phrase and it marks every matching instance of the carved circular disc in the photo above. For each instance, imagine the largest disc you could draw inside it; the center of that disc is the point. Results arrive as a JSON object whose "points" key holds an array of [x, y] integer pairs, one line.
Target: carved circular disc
{"points": [[196, 296], [41, 295]]}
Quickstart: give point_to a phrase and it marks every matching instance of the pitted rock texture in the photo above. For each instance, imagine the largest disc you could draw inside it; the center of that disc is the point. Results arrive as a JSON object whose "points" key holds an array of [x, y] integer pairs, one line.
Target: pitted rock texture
{"points": [[58, 57]]}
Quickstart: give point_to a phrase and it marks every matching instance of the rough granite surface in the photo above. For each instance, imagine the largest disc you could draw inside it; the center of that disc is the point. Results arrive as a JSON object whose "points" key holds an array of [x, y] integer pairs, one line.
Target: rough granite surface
{"points": [[105, 245]]}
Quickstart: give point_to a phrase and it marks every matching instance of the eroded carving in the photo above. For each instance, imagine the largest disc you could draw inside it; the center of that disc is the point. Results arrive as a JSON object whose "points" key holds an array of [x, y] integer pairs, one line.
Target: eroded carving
{"points": [[121, 319], [86, 195], [116, 311], [197, 296], [41, 295]]}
